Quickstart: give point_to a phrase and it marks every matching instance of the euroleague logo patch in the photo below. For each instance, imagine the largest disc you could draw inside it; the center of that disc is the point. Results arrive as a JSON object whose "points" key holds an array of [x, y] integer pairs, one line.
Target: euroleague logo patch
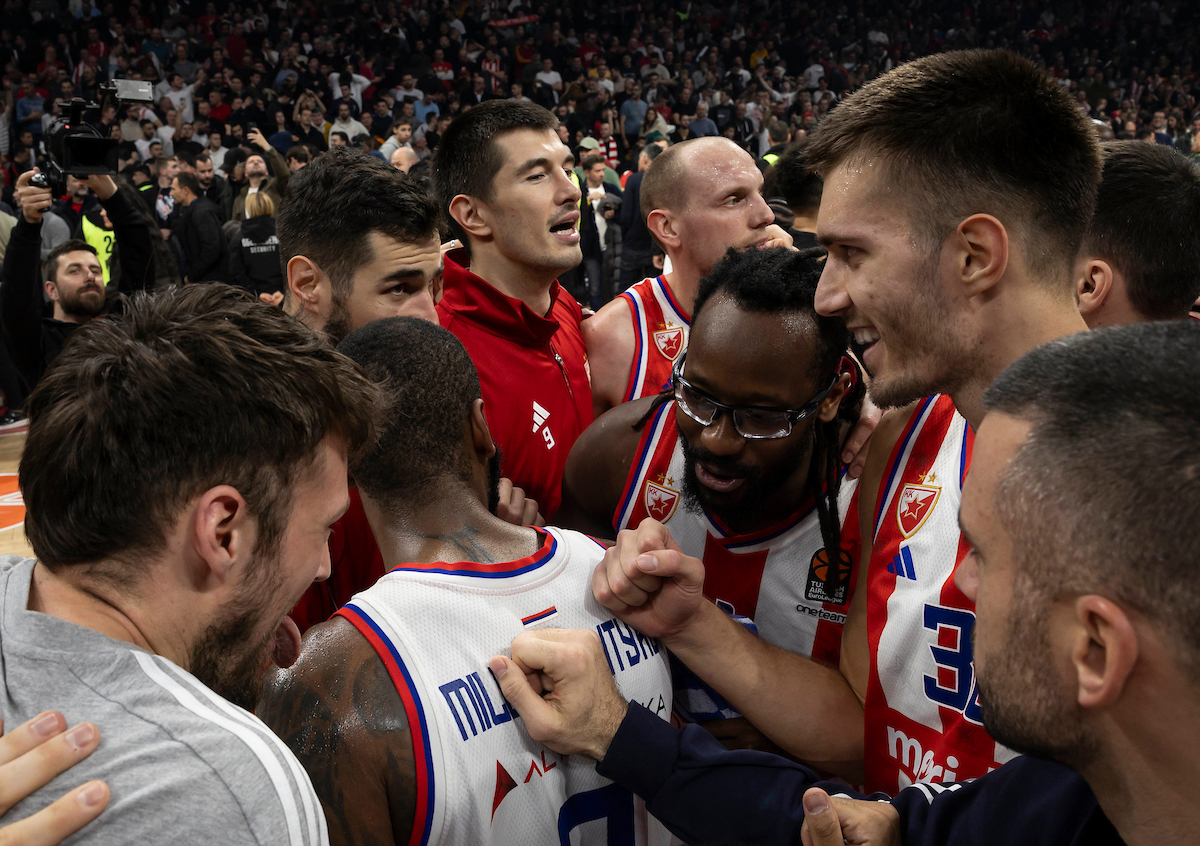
{"points": [[829, 584]]}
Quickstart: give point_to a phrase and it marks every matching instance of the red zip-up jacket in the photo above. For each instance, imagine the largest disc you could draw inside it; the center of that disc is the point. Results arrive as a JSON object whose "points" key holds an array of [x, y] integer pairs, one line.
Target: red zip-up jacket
{"points": [[533, 371]]}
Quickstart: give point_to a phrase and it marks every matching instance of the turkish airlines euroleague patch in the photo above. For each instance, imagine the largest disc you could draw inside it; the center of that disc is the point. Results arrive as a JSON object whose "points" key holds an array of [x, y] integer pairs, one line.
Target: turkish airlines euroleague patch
{"points": [[12, 505], [826, 584]]}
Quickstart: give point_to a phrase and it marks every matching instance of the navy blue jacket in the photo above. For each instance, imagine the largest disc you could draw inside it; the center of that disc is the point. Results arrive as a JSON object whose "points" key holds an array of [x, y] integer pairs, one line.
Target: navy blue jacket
{"points": [[705, 793]]}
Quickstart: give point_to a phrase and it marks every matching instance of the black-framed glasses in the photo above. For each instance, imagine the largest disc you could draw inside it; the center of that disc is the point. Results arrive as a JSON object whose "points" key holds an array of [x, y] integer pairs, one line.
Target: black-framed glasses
{"points": [[751, 422]]}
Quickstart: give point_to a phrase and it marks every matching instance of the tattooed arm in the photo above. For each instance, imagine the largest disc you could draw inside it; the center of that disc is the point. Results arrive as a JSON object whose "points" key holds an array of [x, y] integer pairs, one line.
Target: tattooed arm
{"points": [[338, 711]]}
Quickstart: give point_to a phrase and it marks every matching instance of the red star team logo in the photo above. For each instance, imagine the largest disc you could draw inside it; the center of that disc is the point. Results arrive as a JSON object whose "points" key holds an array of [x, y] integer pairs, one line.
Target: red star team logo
{"points": [[669, 342], [660, 500], [12, 506], [916, 503]]}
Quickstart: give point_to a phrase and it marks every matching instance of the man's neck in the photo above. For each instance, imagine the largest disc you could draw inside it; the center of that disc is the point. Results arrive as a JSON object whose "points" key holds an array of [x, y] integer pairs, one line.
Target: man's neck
{"points": [[454, 526], [92, 605], [684, 282], [256, 181], [1146, 785], [1019, 322], [531, 287], [62, 317]]}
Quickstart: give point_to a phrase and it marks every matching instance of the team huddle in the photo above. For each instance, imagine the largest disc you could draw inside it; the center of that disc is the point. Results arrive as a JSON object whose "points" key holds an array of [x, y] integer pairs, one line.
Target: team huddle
{"points": [[633, 577]]}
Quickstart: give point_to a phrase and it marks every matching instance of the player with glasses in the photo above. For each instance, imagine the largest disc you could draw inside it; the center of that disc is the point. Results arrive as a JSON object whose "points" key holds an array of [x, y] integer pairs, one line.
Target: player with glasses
{"points": [[740, 460], [750, 421]]}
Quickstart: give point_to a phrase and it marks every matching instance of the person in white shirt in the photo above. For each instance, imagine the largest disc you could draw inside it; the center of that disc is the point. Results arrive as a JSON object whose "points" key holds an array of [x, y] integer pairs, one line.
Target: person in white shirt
{"points": [[345, 123], [549, 77]]}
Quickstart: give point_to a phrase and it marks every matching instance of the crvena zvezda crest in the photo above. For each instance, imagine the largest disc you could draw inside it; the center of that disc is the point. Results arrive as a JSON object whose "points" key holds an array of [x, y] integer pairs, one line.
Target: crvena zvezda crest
{"points": [[660, 501], [669, 342], [915, 505]]}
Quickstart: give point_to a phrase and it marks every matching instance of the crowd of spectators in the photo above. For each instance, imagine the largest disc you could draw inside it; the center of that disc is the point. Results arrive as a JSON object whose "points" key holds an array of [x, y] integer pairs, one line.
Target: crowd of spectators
{"points": [[246, 93]]}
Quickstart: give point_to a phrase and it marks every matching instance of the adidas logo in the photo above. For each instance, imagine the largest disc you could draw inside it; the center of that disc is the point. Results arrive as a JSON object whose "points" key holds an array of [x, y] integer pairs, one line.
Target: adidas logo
{"points": [[902, 565], [539, 415], [539, 420]]}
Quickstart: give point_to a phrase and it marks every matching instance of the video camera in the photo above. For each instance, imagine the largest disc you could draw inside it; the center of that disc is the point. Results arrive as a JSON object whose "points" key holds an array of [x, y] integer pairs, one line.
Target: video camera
{"points": [[77, 148]]}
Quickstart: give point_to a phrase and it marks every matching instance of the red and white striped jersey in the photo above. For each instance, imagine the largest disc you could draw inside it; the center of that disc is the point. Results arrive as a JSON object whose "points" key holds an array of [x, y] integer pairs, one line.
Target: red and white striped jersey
{"points": [[660, 328], [480, 777], [922, 704], [778, 578]]}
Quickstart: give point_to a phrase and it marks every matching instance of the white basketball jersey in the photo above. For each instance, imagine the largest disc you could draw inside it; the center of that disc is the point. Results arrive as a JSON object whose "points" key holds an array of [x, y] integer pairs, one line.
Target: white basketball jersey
{"points": [[778, 578], [481, 779]]}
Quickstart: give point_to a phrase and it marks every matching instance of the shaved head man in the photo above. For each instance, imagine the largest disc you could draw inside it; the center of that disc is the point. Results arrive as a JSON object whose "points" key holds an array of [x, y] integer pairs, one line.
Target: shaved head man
{"points": [[699, 198], [403, 159]]}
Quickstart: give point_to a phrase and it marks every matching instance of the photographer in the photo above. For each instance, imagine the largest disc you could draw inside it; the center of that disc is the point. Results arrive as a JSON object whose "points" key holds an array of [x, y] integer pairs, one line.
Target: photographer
{"points": [[71, 276]]}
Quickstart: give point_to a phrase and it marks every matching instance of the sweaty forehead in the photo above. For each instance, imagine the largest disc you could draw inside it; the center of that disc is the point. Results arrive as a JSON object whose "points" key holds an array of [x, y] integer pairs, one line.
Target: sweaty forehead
{"points": [[717, 169]]}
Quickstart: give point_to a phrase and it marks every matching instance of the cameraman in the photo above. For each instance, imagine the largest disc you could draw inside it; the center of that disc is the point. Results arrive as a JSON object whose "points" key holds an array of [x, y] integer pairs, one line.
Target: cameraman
{"points": [[71, 275]]}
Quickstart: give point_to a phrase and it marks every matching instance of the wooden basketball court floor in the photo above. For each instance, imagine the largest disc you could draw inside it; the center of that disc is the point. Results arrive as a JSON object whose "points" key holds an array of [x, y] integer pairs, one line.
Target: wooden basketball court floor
{"points": [[12, 508]]}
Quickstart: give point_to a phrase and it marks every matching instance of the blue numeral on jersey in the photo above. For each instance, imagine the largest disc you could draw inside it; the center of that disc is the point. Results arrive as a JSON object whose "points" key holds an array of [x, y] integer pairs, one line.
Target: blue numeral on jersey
{"points": [[612, 802], [958, 659]]}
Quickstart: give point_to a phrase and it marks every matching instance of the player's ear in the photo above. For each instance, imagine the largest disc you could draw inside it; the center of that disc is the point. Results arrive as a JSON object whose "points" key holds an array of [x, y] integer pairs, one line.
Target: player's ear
{"points": [[481, 437], [1093, 284], [833, 400], [472, 214], [664, 228], [308, 285]]}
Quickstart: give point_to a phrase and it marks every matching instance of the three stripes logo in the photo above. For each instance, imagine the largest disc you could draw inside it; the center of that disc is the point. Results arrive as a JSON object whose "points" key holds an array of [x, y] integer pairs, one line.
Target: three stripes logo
{"points": [[540, 415], [902, 565]]}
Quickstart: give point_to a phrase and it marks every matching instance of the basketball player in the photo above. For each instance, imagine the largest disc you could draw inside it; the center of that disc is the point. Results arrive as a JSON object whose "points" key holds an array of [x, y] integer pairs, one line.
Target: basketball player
{"points": [[390, 706], [1141, 255], [741, 465], [947, 268], [699, 198]]}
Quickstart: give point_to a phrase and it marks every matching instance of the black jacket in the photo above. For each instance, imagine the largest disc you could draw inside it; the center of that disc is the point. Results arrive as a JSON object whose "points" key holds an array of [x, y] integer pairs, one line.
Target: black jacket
{"points": [[203, 242], [705, 793], [35, 339], [254, 256]]}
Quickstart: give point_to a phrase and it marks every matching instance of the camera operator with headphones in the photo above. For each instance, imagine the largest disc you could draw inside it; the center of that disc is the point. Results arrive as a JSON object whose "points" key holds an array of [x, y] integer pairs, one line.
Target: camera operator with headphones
{"points": [[71, 275]]}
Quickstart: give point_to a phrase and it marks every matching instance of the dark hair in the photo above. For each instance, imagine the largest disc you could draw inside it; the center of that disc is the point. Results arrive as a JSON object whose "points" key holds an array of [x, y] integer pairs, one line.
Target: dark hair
{"points": [[333, 205], [652, 151], [777, 130], [792, 180], [590, 162], [468, 158], [298, 152], [975, 131], [340, 134], [784, 281], [1104, 494], [427, 386], [1146, 226], [50, 265], [126, 149], [202, 156], [189, 181], [190, 388]]}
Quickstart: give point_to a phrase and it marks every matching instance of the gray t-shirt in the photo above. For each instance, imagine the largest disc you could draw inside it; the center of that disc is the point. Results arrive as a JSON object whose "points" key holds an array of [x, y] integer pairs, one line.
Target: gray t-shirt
{"points": [[183, 764]]}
